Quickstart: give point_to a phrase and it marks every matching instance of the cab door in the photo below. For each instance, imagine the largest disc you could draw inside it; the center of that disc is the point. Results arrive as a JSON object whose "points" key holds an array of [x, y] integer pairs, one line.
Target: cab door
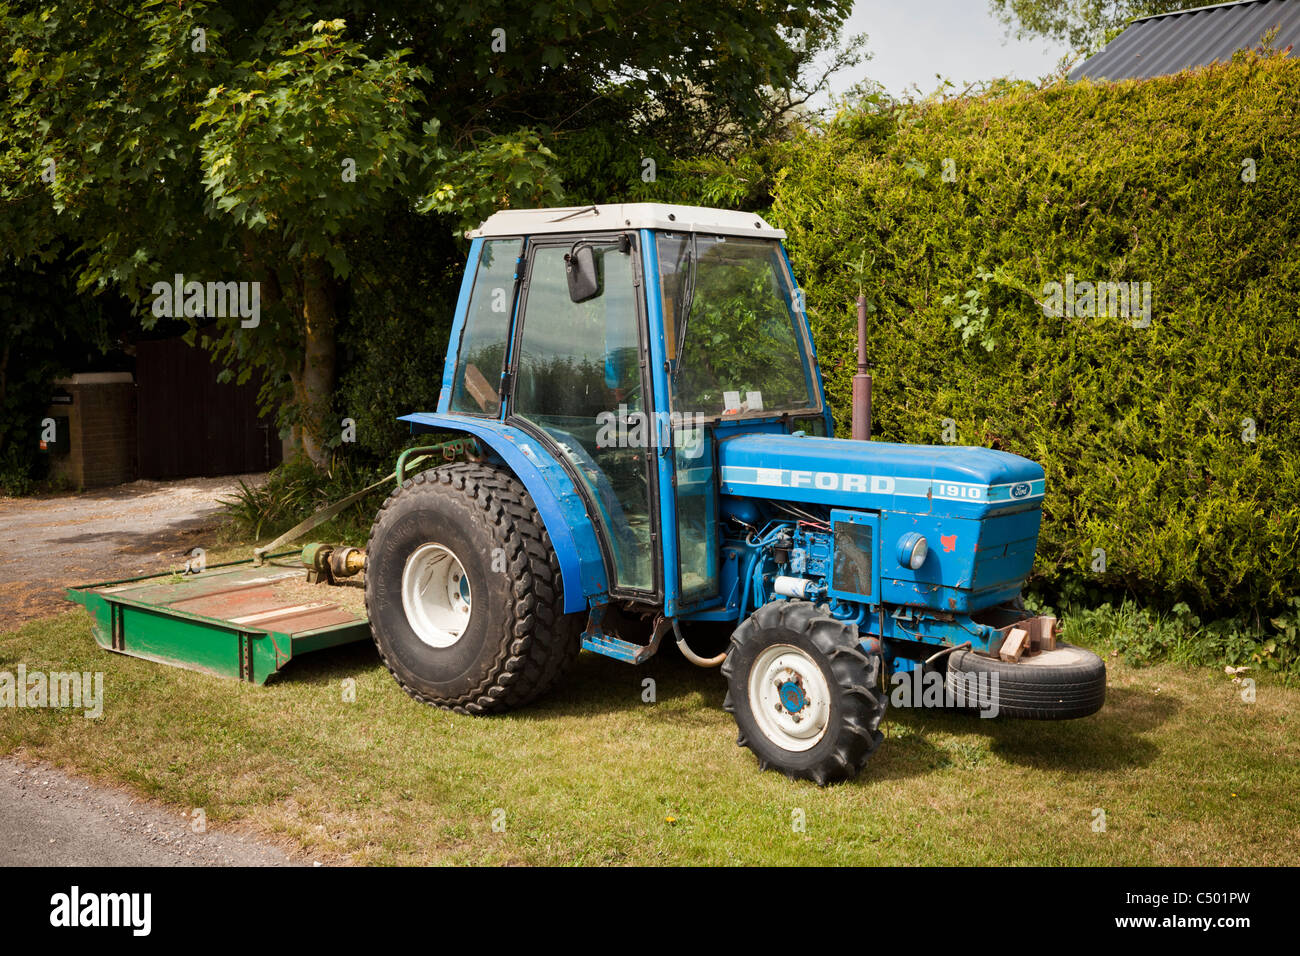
{"points": [[578, 380], [695, 485]]}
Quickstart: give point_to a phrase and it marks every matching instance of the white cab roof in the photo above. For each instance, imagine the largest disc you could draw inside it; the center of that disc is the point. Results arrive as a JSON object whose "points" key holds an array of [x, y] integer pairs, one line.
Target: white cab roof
{"points": [[634, 215]]}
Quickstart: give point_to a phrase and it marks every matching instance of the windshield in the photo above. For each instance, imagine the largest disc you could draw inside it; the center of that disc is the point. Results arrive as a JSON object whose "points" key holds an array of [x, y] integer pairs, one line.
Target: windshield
{"points": [[734, 338]]}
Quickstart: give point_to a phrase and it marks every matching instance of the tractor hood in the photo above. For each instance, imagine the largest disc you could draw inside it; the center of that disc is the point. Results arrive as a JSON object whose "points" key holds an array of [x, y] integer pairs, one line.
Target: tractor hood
{"points": [[878, 476]]}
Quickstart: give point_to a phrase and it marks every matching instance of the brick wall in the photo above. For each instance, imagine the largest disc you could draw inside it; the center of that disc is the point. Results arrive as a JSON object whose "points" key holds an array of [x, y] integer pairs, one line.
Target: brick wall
{"points": [[102, 430]]}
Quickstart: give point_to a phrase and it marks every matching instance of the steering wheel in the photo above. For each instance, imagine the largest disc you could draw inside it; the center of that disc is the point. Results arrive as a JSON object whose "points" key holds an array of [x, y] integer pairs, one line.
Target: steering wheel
{"points": [[631, 393]]}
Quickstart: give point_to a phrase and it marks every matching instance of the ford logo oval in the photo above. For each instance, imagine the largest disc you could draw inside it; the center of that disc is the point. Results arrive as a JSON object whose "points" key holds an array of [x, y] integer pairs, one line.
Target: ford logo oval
{"points": [[1019, 490]]}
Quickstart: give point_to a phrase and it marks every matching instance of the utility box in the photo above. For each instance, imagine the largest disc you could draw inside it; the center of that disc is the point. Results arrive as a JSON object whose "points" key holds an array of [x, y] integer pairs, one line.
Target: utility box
{"points": [[90, 429]]}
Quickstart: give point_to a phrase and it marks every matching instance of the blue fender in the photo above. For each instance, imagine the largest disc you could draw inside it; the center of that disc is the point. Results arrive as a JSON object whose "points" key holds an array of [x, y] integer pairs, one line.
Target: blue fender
{"points": [[559, 504]]}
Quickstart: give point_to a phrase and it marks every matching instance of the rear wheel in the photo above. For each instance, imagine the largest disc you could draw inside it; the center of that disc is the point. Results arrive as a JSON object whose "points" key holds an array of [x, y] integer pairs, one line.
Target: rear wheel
{"points": [[463, 591], [804, 693]]}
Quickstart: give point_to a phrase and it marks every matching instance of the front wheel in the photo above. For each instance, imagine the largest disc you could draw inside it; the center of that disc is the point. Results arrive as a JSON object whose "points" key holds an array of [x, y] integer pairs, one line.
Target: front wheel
{"points": [[805, 695]]}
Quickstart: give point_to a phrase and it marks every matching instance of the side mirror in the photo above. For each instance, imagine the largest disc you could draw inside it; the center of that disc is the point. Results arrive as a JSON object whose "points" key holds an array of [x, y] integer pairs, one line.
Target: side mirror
{"points": [[580, 269]]}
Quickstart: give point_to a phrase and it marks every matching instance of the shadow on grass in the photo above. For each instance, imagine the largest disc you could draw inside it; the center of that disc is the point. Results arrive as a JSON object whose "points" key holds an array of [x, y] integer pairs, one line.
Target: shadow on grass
{"points": [[682, 693], [1113, 738], [1117, 737], [329, 666], [595, 684]]}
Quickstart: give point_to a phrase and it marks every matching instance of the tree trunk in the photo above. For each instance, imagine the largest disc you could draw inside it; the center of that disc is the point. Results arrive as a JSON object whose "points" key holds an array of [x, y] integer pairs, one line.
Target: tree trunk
{"points": [[314, 385], [257, 256]]}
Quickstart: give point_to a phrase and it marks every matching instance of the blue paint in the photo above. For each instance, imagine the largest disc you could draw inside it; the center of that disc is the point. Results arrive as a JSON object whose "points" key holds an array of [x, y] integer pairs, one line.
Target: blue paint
{"points": [[970, 564], [458, 325], [878, 476], [614, 647], [661, 403], [559, 504]]}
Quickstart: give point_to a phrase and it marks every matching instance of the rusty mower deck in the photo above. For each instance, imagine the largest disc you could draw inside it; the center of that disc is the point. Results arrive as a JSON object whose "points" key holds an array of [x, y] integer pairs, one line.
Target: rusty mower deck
{"points": [[237, 620]]}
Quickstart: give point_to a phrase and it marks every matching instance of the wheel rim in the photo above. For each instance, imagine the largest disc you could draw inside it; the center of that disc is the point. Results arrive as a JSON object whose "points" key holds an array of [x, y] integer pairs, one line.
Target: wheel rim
{"points": [[436, 595], [1064, 656], [789, 697]]}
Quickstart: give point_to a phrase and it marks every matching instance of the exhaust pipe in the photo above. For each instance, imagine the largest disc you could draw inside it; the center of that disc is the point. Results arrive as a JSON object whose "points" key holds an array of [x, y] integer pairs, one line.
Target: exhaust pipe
{"points": [[862, 380]]}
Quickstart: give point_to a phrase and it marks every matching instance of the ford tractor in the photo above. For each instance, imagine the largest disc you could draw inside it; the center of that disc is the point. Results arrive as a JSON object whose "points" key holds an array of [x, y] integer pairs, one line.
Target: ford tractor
{"points": [[651, 456]]}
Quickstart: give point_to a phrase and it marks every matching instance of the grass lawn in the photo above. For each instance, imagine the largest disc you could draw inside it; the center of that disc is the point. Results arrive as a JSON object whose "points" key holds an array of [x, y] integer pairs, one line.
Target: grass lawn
{"points": [[1186, 772]]}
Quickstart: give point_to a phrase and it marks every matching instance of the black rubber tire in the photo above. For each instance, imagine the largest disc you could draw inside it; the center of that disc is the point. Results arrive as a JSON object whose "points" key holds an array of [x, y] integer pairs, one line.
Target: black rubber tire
{"points": [[1072, 686], [518, 642], [857, 702]]}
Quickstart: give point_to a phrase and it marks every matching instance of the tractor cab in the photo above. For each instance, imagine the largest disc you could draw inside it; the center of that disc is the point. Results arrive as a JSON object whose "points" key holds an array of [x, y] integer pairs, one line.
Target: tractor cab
{"points": [[623, 342]]}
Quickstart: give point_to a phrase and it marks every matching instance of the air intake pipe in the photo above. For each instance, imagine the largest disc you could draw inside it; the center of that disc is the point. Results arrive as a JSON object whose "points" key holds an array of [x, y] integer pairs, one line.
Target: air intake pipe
{"points": [[862, 380]]}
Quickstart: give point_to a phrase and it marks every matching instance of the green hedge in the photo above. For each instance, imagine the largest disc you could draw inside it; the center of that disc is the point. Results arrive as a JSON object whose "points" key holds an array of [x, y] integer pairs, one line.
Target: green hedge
{"points": [[1140, 430]]}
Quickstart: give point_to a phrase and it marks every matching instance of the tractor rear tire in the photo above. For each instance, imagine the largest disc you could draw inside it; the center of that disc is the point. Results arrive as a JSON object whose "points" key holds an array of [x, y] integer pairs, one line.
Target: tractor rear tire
{"points": [[463, 591], [806, 696], [1061, 684]]}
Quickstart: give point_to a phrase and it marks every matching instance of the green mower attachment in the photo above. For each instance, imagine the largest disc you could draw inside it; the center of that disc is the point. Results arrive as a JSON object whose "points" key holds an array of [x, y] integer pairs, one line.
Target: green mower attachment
{"points": [[236, 620]]}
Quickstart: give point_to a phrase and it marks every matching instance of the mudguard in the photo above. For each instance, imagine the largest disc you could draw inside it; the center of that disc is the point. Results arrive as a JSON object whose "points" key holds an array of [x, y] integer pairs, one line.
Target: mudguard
{"points": [[559, 504]]}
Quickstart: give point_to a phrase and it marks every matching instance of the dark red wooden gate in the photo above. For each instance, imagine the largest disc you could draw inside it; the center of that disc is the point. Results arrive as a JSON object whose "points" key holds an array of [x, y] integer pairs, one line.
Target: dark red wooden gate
{"points": [[189, 424]]}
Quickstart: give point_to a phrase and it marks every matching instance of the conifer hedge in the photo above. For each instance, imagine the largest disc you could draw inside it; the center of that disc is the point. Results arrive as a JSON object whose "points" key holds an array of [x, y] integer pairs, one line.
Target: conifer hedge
{"points": [[1171, 439]]}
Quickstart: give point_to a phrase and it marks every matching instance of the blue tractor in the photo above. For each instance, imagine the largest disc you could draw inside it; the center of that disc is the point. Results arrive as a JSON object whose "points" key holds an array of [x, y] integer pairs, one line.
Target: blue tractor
{"points": [[653, 455]]}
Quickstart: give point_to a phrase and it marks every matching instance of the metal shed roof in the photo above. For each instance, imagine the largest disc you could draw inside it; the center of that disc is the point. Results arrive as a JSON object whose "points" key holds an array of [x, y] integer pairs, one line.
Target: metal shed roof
{"points": [[634, 215], [1168, 42]]}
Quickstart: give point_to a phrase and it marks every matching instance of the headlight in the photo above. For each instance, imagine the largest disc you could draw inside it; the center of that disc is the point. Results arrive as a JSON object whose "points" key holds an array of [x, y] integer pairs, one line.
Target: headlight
{"points": [[912, 550]]}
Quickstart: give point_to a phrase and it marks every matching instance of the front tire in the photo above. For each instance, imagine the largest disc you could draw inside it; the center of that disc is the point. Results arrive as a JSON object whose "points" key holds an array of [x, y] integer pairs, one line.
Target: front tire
{"points": [[805, 695], [463, 591]]}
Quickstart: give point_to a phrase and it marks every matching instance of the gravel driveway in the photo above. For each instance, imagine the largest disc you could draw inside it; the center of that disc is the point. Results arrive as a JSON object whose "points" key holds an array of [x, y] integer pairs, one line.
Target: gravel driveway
{"points": [[48, 543]]}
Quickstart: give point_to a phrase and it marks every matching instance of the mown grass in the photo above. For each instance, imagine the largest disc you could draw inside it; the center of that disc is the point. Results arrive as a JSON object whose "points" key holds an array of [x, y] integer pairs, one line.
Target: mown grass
{"points": [[1186, 772]]}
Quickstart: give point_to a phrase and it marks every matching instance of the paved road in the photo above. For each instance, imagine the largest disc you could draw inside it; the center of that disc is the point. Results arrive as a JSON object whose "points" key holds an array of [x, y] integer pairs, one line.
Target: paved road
{"points": [[50, 542], [49, 818]]}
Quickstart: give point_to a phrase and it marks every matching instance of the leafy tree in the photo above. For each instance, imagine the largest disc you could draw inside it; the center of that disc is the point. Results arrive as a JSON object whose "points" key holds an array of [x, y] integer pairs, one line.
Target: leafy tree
{"points": [[182, 139], [265, 142], [1086, 25]]}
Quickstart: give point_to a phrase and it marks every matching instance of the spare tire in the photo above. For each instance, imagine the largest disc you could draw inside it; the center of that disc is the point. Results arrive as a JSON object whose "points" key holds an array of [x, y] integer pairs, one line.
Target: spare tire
{"points": [[1061, 684]]}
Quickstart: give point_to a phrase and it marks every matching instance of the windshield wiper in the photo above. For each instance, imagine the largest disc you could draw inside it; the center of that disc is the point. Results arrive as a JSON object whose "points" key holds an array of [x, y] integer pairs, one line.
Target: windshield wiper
{"points": [[688, 299]]}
